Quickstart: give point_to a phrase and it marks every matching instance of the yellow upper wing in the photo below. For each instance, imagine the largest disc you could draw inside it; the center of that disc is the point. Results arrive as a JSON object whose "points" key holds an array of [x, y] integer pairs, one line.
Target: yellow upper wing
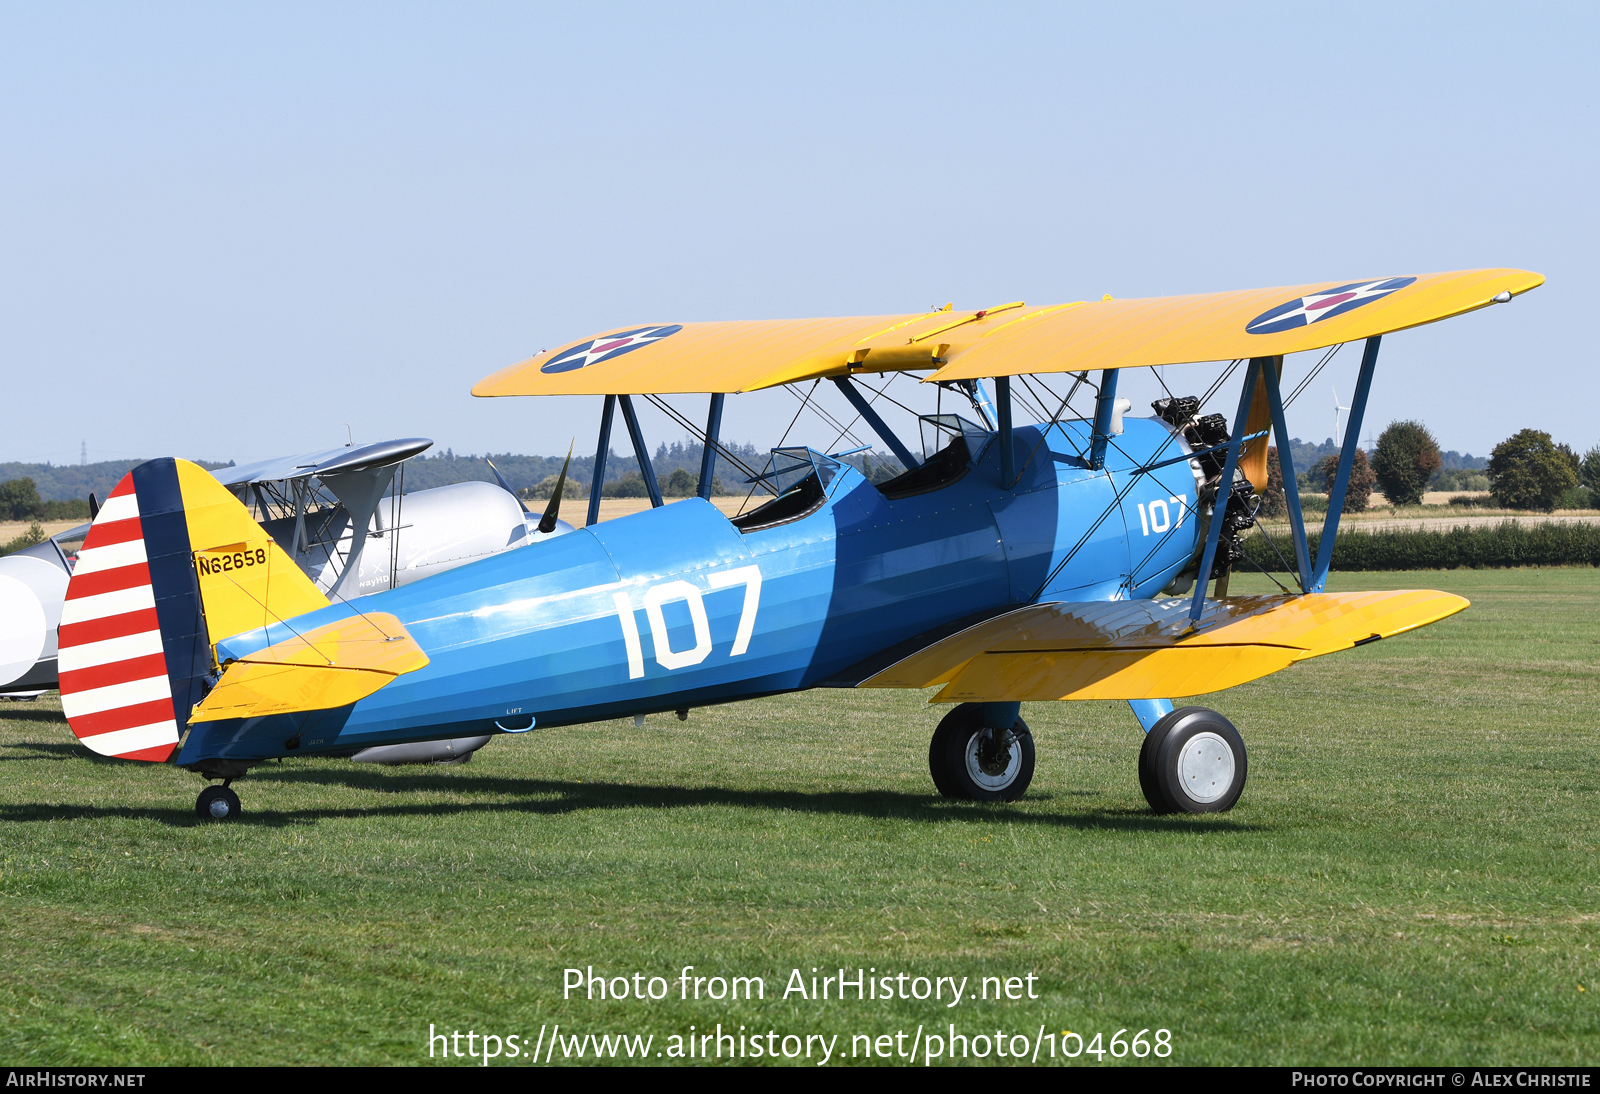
{"points": [[1004, 340], [693, 357], [1172, 330]]}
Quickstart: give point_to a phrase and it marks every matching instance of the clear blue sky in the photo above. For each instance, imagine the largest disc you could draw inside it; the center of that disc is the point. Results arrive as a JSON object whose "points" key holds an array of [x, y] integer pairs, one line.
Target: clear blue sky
{"points": [[228, 230]]}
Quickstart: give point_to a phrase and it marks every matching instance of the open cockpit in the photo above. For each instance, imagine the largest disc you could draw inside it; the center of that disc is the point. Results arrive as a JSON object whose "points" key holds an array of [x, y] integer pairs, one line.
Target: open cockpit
{"points": [[951, 446], [799, 476]]}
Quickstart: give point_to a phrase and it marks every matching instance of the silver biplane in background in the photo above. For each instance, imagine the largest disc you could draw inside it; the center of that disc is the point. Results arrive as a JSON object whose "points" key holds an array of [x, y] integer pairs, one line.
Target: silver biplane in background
{"points": [[344, 518]]}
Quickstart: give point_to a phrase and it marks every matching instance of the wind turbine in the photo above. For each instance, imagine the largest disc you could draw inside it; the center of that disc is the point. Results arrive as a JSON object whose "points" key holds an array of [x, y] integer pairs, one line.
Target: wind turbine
{"points": [[1336, 409]]}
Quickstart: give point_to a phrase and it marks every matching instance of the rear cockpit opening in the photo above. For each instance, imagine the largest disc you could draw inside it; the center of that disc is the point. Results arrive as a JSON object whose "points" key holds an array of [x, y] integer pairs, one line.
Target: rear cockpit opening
{"points": [[798, 478]]}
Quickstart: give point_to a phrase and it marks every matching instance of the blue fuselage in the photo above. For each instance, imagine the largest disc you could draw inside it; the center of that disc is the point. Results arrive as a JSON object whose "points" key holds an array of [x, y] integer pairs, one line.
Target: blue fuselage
{"points": [[676, 607]]}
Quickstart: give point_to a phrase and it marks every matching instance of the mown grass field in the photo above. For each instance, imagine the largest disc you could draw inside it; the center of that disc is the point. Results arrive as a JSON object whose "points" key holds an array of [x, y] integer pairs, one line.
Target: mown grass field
{"points": [[1409, 878]]}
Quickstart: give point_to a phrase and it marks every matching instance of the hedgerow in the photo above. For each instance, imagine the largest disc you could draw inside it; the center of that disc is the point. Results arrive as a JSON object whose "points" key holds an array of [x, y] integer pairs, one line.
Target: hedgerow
{"points": [[1506, 544]]}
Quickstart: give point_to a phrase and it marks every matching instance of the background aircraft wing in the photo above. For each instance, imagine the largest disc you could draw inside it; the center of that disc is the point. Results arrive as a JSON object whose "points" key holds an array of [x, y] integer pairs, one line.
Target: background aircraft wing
{"points": [[1002, 340], [1146, 649], [332, 461]]}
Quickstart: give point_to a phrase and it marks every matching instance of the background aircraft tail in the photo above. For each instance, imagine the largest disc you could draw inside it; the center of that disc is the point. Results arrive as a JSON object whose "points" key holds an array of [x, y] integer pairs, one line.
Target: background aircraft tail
{"points": [[172, 564]]}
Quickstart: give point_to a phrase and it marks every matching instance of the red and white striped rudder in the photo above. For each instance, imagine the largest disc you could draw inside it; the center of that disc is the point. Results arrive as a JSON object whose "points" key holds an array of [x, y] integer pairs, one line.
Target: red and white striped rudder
{"points": [[115, 689]]}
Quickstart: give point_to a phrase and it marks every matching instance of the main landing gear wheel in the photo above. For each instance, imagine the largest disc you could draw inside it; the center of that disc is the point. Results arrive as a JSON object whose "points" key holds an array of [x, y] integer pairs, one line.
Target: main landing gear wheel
{"points": [[979, 764], [217, 803], [1193, 761]]}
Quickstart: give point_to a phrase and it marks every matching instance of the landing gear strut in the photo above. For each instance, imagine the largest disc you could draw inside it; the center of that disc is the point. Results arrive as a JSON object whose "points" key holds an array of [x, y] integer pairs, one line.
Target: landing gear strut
{"points": [[217, 803], [979, 762], [1193, 761]]}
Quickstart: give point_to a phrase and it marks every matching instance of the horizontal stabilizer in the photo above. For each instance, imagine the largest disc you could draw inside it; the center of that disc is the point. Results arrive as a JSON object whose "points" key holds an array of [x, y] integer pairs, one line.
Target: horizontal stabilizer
{"points": [[332, 666], [1146, 649]]}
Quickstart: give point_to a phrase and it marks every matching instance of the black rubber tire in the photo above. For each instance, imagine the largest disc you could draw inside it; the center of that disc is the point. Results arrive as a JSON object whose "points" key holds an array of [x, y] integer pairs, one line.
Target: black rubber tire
{"points": [[953, 751], [217, 795], [1159, 775]]}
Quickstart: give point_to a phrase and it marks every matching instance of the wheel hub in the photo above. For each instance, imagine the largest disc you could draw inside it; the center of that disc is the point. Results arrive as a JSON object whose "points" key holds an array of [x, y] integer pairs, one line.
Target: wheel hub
{"points": [[991, 761], [1205, 767]]}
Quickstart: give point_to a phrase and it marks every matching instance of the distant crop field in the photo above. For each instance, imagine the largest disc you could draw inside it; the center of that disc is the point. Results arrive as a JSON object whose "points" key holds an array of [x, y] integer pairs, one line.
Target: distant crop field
{"points": [[1409, 878]]}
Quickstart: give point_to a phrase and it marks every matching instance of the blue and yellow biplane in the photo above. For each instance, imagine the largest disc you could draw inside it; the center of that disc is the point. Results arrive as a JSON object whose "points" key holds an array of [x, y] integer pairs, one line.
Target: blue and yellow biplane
{"points": [[1076, 558]]}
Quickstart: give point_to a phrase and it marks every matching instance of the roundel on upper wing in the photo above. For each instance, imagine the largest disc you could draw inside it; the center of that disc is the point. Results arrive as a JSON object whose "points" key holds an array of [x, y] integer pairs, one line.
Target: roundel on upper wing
{"points": [[606, 347], [1316, 307]]}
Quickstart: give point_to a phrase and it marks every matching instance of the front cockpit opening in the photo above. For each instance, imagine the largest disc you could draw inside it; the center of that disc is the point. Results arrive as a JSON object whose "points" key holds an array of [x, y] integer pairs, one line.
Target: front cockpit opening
{"points": [[951, 445]]}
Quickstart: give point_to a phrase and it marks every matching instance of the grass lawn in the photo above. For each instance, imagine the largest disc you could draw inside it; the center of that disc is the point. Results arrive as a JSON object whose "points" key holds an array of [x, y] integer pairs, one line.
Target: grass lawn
{"points": [[1410, 876]]}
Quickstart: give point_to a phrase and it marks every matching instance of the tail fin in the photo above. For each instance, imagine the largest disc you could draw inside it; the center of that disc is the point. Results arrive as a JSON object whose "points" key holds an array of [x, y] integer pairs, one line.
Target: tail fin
{"points": [[172, 565]]}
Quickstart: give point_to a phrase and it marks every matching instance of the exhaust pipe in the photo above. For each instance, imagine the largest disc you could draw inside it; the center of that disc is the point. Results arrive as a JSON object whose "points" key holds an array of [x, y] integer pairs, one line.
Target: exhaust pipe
{"points": [[456, 751]]}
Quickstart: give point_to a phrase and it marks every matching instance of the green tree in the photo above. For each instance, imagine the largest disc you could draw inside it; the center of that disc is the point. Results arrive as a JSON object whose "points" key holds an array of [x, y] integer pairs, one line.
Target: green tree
{"points": [[34, 534], [628, 486], [1529, 471], [1274, 502], [19, 500], [879, 468], [680, 484], [547, 486], [1407, 456], [1359, 490], [1460, 478], [72, 509], [1590, 469]]}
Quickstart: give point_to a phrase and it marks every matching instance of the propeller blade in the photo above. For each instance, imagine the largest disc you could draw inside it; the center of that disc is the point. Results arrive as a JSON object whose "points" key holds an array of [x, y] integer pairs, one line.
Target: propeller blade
{"points": [[94, 507], [552, 512], [1253, 457], [506, 486]]}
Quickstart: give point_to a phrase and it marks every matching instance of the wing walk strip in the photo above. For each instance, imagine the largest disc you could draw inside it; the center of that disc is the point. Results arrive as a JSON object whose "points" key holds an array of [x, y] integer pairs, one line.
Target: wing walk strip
{"points": [[114, 686]]}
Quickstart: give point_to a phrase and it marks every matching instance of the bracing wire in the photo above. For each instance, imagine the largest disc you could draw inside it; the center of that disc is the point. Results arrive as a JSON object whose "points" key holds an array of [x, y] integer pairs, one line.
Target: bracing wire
{"points": [[1204, 399], [1312, 375], [1116, 501], [882, 390], [846, 431], [1288, 569], [1033, 402], [830, 421], [1048, 424], [812, 391], [696, 431]]}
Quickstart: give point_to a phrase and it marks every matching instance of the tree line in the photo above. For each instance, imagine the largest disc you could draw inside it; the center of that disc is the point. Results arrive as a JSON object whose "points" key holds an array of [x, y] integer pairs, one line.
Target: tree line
{"points": [[1528, 470]]}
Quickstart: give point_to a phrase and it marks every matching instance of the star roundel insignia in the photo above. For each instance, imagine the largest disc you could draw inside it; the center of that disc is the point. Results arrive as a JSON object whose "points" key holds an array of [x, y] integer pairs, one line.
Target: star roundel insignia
{"points": [[1324, 305], [607, 346]]}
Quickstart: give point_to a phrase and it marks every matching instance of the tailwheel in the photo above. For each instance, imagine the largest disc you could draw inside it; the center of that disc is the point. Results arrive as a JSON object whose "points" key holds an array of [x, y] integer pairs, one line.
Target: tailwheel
{"points": [[1193, 761], [980, 763], [217, 803]]}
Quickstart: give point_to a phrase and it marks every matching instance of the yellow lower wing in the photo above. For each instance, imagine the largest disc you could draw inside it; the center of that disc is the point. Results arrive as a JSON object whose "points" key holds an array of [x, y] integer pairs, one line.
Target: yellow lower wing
{"points": [[1148, 650], [329, 667]]}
